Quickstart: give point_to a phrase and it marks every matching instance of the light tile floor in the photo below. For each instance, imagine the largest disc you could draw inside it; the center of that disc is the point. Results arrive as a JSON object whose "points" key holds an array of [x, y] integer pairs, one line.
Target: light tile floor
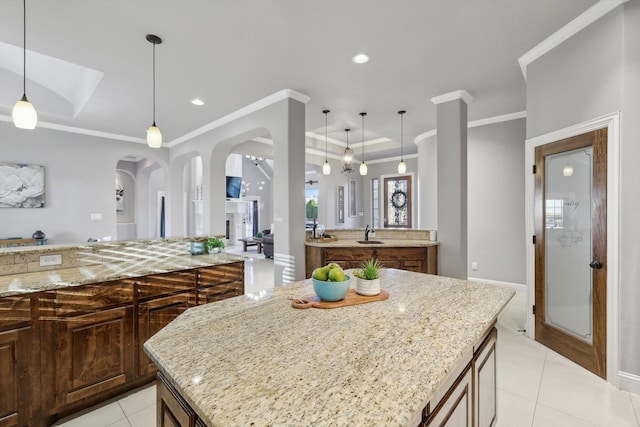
{"points": [[536, 386]]}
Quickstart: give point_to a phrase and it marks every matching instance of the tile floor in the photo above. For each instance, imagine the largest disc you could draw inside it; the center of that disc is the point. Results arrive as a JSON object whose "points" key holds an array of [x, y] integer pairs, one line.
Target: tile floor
{"points": [[536, 386]]}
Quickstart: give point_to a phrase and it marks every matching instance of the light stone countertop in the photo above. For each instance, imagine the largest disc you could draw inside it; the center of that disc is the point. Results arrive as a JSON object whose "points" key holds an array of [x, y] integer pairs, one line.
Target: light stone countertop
{"points": [[389, 243], [17, 284], [255, 360]]}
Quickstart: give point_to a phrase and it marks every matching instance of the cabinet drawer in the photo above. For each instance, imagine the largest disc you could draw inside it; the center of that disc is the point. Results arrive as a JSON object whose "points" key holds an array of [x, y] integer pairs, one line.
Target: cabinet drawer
{"points": [[401, 254], [220, 292], [351, 254], [165, 284], [15, 311], [89, 298], [223, 273]]}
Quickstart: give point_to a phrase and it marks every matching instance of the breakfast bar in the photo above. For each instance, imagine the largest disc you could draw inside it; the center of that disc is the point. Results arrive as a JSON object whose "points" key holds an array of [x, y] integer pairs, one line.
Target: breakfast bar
{"points": [[424, 356]]}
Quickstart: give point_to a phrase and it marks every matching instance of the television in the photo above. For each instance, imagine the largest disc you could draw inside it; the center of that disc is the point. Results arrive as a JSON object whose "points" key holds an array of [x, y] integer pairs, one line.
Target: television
{"points": [[233, 187]]}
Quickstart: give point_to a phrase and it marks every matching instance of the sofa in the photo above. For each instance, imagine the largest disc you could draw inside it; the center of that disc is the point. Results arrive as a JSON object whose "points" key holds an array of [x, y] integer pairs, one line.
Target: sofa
{"points": [[267, 244]]}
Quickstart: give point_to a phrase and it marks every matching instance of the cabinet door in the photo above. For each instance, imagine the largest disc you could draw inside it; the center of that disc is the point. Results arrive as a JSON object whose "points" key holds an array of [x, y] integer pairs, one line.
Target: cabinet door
{"points": [[154, 315], [16, 381], [93, 353], [455, 409], [484, 382], [172, 410], [220, 282]]}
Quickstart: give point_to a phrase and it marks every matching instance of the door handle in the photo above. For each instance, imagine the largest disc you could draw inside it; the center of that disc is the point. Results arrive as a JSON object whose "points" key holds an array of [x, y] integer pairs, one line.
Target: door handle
{"points": [[595, 264]]}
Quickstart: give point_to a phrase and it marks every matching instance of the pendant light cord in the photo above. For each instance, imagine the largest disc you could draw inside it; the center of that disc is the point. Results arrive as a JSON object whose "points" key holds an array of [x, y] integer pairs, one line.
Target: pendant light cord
{"points": [[401, 134], [24, 48], [154, 84], [326, 157], [363, 114]]}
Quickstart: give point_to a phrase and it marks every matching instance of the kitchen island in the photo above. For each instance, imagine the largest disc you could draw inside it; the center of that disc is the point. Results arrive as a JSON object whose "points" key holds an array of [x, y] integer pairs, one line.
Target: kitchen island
{"points": [[408, 360]]}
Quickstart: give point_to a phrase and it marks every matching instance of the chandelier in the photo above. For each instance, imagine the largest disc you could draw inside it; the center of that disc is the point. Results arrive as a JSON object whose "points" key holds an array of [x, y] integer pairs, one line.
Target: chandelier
{"points": [[347, 156]]}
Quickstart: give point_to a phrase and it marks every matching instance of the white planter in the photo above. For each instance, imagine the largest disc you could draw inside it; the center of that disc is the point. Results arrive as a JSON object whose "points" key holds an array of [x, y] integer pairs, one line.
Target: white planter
{"points": [[368, 287]]}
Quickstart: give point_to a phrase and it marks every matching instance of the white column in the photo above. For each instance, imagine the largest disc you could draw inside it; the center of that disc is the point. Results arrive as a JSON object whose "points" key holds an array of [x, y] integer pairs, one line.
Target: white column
{"points": [[452, 182]]}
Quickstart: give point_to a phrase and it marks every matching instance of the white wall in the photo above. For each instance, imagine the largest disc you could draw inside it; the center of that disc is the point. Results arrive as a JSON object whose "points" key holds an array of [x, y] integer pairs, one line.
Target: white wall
{"points": [[79, 181], [495, 201], [594, 73]]}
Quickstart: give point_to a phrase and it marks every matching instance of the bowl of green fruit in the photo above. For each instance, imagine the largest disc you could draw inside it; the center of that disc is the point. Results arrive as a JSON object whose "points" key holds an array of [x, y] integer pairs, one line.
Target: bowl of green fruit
{"points": [[330, 282]]}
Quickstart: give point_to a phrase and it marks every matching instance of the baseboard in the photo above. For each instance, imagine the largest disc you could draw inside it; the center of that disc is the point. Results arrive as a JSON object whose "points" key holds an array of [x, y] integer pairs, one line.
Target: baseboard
{"points": [[518, 287], [629, 382]]}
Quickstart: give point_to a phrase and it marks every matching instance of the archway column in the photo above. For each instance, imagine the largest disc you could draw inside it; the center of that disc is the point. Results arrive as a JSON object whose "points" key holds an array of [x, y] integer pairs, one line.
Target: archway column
{"points": [[451, 120]]}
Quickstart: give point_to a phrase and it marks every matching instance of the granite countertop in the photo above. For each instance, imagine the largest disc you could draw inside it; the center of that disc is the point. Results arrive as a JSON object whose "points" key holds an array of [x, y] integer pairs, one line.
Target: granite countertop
{"points": [[389, 243], [255, 360], [17, 284]]}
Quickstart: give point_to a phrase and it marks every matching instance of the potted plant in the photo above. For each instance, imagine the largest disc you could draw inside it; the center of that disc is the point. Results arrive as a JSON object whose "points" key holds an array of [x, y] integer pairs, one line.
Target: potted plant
{"points": [[259, 235], [368, 282], [214, 245]]}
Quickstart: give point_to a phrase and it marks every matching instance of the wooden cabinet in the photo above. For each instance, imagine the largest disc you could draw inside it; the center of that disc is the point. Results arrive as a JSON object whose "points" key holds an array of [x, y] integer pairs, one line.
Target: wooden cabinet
{"points": [[421, 259], [17, 371], [153, 315], [484, 383], [220, 282], [70, 348], [88, 341], [172, 410], [471, 401]]}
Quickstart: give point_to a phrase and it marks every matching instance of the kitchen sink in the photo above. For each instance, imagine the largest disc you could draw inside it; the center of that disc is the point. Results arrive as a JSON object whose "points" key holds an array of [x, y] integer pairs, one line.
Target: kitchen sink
{"points": [[370, 242]]}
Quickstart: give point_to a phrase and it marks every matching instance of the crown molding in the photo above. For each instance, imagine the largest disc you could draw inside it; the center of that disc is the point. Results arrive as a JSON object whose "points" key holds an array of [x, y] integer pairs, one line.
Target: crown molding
{"points": [[452, 96], [244, 111], [482, 122], [582, 21], [81, 131]]}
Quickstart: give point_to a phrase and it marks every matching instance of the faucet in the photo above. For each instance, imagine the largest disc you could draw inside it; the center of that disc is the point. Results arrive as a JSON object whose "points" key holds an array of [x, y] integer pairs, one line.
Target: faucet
{"points": [[367, 231]]}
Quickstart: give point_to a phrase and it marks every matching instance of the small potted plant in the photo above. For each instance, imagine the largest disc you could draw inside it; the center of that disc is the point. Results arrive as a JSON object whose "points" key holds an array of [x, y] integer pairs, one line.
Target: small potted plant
{"points": [[368, 282], [259, 235], [214, 245]]}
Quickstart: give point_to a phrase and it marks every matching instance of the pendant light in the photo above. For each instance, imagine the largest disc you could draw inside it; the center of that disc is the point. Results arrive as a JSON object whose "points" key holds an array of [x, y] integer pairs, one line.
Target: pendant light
{"points": [[24, 115], [363, 165], [154, 136], [402, 166], [326, 168], [347, 156]]}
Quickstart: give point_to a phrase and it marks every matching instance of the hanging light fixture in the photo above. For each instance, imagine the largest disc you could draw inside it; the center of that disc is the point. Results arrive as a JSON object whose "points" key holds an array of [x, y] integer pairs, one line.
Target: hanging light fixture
{"points": [[24, 115], [154, 136], [326, 168], [347, 156], [402, 166], [363, 165]]}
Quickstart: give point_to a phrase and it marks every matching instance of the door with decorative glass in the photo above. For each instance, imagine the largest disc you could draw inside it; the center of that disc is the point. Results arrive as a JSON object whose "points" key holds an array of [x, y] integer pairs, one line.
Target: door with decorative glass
{"points": [[571, 248], [397, 202]]}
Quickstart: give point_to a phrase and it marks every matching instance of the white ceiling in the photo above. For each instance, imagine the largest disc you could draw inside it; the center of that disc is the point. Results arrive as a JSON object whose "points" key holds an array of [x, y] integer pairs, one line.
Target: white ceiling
{"points": [[230, 53]]}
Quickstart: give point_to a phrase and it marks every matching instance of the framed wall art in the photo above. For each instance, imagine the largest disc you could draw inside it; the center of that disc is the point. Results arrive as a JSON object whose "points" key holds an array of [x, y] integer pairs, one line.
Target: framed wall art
{"points": [[21, 186]]}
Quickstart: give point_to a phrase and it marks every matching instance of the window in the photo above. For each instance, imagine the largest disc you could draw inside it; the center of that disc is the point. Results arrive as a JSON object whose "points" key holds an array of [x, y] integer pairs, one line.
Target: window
{"points": [[311, 206], [375, 203]]}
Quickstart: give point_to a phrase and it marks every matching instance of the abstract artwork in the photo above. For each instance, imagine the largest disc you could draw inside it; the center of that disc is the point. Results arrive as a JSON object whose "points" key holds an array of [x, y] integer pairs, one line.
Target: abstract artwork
{"points": [[21, 186]]}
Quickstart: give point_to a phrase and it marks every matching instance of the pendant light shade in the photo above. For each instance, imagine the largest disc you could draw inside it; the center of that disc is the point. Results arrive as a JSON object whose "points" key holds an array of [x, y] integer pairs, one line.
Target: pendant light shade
{"points": [[363, 165], [154, 136], [326, 168], [24, 115], [347, 156], [402, 167]]}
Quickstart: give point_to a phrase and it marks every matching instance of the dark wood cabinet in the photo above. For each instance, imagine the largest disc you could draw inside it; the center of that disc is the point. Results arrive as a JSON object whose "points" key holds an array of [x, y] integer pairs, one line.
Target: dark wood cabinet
{"points": [[172, 410], [70, 348], [18, 362], [421, 259], [154, 315]]}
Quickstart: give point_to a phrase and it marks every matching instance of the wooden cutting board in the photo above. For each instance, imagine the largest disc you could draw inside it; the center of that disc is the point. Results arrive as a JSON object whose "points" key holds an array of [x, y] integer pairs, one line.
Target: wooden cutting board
{"points": [[352, 298]]}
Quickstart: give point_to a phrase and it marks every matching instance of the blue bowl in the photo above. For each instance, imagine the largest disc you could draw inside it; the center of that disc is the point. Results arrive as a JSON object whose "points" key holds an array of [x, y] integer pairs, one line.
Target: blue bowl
{"points": [[331, 291]]}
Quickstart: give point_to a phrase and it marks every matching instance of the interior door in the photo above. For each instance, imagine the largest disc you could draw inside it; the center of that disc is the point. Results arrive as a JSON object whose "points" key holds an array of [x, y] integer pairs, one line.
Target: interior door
{"points": [[397, 202], [571, 248]]}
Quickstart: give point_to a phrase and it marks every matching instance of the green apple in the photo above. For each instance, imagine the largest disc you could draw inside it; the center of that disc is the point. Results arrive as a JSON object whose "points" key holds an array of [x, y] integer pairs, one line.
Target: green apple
{"points": [[321, 273], [337, 275], [333, 265]]}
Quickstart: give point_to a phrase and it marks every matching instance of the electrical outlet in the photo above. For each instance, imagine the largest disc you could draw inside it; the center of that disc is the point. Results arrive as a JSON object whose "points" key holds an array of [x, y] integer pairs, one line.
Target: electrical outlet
{"points": [[474, 266], [47, 260], [96, 217]]}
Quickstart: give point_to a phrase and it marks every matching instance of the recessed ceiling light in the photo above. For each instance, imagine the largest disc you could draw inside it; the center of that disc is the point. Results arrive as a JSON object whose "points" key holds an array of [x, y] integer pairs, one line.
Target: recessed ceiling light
{"points": [[361, 58], [197, 101]]}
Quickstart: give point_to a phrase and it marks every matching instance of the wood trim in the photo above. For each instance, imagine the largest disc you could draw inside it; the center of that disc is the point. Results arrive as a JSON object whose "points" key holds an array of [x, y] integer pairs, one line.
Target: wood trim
{"points": [[591, 357]]}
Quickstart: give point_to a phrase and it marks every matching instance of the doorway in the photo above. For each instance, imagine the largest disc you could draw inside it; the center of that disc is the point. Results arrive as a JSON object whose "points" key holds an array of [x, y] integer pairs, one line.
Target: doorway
{"points": [[571, 248], [397, 202]]}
